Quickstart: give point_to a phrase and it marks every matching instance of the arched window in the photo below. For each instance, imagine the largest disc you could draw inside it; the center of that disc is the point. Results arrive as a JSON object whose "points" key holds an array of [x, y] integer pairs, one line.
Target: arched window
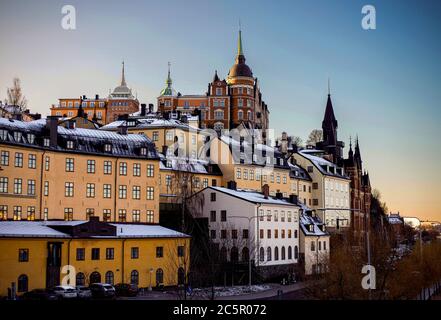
{"points": [[80, 279], [95, 277], [234, 254], [109, 277], [250, 115], [245, 254], [240, 114], [159, 276], [134, 277], [276, 253], [262, 254], [296, 252], [22, 283], [181, 276], [268, 254], [283, 253], [289, 253], [223, 254]]}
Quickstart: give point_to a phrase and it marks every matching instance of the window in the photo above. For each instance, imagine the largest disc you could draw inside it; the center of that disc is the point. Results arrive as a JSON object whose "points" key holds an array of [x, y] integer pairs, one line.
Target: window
{"points": [[181, 251], [276, 215], [17, 212], [4, 158], [46, 163], [22, 283], [18, 160], [95, 253], [136, 192], [122, 192], [150, 193], [315, 202], [90, 190], [31, 213], [109, 277], [3, 212], [68, 214], [289, 253], [134, 253], [107, 167], [324, 245], [312, 246], [212, 216], [3, 185], [107, 191], [276, 233], [134, 277], [276, 253], [68, 189], [80, 279], [213, 196], [295, 234], [90, 166], [268, 234], [218, 115], [268, 254], [17, 136], [155, 136], [282, 216], [23, 255], [90, 212], [223, 234], [159, 252], [110, 253], [245, 174], [70, 144], [261, 233], [123, 169], [150, 216], [213, 234], [283, 253], [159, 276], [136, 170], [223, 215], [122, 215], [150, 170], [46, 188], [245, 234], [32, 161], [136, 215], [81, 254], [240, 114], [17, 185], [234, 234], [296, 252], [3, 134], [107, 215], [69, 165]]}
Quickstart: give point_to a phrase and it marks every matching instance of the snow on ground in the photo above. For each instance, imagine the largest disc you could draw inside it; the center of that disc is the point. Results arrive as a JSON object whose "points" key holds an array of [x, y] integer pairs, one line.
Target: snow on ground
{"points": [[230, 291]]}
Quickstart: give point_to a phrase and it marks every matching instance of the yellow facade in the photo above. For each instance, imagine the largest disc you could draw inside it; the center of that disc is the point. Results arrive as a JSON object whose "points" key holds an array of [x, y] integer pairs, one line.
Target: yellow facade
{"points": [[52, 198], [147, 264]]}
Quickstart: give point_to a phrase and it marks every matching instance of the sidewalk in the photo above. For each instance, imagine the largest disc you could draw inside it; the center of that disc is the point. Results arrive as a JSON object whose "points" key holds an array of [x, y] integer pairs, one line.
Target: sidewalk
{"points": [[268, 293]]}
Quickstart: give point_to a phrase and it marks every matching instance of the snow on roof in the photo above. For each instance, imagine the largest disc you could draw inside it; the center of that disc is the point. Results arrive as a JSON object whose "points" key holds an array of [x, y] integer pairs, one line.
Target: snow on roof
{"points": [[145, 123], [187, 165], [320, 163], [43, 229], [21, 125], [106, 135], [252, 196]]}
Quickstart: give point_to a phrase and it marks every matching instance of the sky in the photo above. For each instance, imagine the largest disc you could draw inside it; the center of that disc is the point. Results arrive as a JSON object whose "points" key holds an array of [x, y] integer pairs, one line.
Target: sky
{"points": [[385, 83]]}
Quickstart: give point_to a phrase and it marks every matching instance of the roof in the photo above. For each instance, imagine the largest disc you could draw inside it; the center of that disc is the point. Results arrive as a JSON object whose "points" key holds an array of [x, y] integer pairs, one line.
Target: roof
{"points": [[253, 196], [147, 123], [318, 228], [90, 141], [189, 165], [323, 164], [298, 172], [43, 229]]}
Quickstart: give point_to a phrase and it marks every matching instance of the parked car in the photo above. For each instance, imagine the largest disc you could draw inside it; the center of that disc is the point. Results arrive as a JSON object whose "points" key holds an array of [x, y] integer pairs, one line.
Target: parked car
{"points": [[40, 294], [102, 290], [65, 292], [83, 292], [126, 290]]}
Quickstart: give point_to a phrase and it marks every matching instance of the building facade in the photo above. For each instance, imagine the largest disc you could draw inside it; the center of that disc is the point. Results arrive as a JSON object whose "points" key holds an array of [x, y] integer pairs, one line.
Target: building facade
{"points": [[35, 254]]}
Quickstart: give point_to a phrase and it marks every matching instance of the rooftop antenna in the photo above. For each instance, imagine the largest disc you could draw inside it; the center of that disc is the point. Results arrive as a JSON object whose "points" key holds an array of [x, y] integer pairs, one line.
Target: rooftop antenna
{"points": [[329, 86]]}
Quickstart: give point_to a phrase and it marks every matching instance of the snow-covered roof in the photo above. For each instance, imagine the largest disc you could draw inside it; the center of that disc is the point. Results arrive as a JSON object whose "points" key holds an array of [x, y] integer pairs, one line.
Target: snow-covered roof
{"points": [[395, 219], [298, 172], [150, 122], [253, 196], [312, 226], [188, 165], [322, 164], [44, 229]]}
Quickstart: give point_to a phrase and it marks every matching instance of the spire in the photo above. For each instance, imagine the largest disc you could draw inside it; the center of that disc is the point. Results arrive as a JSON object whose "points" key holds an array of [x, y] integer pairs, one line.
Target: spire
{"points": [[123, 78], [216, 77], [169, 80], [329, 87], [351, 153], [329, 118], [357, 155], [239, 42]]}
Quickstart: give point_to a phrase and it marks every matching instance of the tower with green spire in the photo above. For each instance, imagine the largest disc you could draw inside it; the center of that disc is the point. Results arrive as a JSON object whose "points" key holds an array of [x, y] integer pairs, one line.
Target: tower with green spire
{"points": [[168, 90]]}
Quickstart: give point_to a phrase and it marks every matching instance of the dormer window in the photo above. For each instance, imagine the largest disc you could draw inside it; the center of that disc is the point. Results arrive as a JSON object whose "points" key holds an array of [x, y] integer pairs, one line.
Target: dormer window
{"points": [[46, 142], [31, 138], [168, 164], [311, 228], [107, 147], [3, 134], [143, 151], [70, 144], [131, 123], [17, 136]]}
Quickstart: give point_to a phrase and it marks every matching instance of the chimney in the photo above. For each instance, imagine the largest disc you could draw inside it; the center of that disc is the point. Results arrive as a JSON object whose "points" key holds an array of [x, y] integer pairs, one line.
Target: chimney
{"points": [[97, 96], [150, 107], [293, 198], [17, 116], [184, 119], [265, 190], [52, 126], [279, 195], [143, 109], [84, 97], [122, 130], [37, 116], [232, 185]]}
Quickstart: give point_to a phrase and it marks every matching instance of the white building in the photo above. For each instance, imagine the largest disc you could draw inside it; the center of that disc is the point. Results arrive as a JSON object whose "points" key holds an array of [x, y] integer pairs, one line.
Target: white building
{"points": [[244, 221], [330, 188]]}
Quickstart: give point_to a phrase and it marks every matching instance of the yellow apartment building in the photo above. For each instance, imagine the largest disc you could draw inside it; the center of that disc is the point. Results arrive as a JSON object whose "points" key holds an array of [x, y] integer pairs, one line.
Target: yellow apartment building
{"points": [[37, 254], [54, 172]]}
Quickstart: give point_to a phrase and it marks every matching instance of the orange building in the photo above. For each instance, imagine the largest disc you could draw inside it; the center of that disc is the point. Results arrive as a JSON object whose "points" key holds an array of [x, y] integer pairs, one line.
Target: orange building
{"points": [[103, 110], [227, 104]]}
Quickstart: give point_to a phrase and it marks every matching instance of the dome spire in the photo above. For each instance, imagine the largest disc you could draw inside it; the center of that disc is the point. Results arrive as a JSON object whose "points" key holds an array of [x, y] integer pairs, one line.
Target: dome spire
{"points": [[123, 78], [239, 42], [169, 80]]}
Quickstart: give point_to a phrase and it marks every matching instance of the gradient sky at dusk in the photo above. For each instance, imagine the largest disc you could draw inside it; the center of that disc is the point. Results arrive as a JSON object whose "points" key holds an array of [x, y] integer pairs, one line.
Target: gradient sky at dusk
{"points": [[386, 84]]}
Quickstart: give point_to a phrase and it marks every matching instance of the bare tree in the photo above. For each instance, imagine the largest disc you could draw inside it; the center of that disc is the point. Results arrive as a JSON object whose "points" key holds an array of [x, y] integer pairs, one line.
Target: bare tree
{"points": [[15, 95], [314, 137]]}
